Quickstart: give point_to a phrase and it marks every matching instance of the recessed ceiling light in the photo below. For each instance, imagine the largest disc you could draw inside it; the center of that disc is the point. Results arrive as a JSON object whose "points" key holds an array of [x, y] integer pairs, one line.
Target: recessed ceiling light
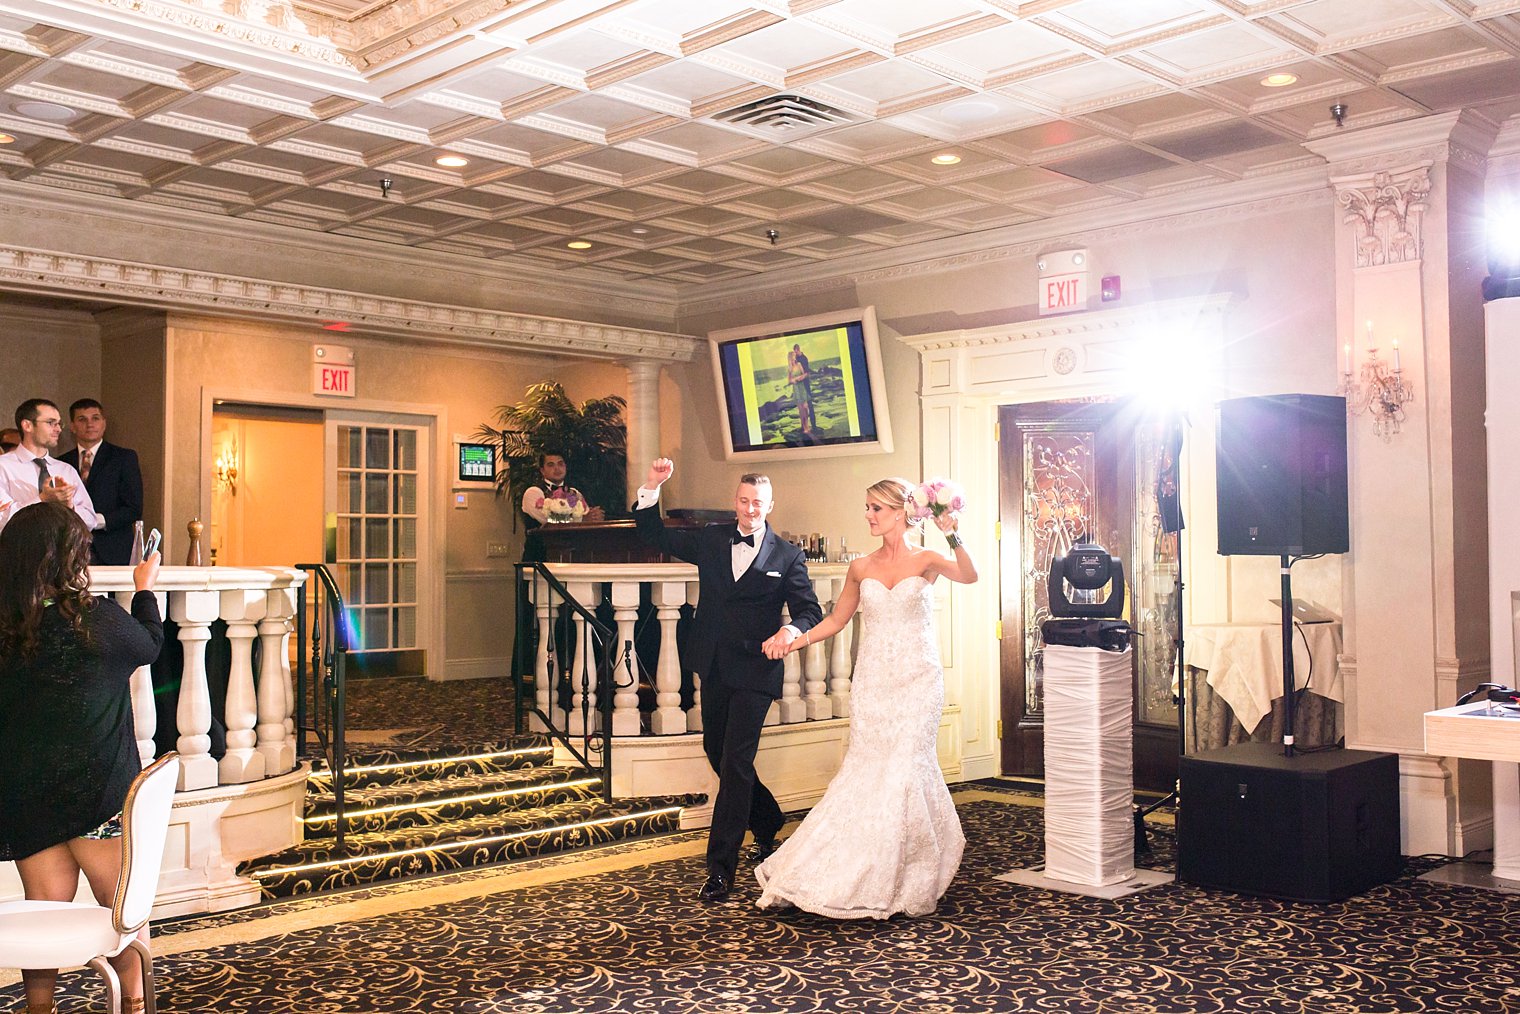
{"points": [[639, 230], [579, 244], [7, 139], [1281, 80], [946, 158], [44, 111], [452, 161]]}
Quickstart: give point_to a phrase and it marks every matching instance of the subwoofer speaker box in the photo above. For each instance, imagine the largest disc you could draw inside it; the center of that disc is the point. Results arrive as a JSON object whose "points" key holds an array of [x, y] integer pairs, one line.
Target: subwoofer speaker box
{"points": [[1312, 827], [1281, 474]]}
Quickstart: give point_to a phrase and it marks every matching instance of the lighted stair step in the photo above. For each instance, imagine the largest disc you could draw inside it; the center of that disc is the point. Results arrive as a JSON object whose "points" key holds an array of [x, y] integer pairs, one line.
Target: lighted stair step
{"points": [[374, 768], [410, 804], [316, 865]]}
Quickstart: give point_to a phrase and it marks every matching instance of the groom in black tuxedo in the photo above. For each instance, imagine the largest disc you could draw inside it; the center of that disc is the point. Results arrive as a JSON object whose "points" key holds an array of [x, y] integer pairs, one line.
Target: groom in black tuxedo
{"points": [[747, 574]]}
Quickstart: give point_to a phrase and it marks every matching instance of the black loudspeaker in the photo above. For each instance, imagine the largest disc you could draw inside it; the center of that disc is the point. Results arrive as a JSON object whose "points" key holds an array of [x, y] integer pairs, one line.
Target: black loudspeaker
{"points": [[1312, 827], [1282, 476]]}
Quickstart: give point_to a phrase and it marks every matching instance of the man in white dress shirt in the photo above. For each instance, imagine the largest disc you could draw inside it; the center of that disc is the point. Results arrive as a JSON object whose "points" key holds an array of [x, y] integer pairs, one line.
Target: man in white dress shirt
{"points": [[29, 473]]}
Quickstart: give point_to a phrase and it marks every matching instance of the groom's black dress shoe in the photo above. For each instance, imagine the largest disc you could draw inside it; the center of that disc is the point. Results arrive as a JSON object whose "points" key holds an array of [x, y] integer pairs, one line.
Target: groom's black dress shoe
{"points": [[716, 888], [765, 848]]}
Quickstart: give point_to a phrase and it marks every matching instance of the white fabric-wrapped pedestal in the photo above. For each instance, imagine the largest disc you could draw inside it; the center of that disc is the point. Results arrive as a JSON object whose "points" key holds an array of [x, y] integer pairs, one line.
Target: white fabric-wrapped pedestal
{"points": [[1089, 766]]}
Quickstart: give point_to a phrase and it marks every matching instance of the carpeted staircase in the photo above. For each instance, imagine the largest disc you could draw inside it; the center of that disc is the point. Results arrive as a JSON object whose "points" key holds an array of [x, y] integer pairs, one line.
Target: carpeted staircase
{"points": [[419, 812]]}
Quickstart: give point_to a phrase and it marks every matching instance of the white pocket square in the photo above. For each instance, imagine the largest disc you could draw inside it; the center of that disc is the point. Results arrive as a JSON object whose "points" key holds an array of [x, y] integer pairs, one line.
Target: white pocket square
{"points": [[773, 573]]}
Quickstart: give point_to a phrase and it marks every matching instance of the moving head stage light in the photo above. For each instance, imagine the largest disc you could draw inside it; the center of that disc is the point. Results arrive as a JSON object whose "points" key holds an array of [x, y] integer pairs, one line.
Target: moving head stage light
{"points": [[1092, 621]]}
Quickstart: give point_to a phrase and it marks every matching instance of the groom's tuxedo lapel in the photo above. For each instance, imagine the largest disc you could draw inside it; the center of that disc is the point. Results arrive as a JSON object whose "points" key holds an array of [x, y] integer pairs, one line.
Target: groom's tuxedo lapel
{"points": [[767, 550]]}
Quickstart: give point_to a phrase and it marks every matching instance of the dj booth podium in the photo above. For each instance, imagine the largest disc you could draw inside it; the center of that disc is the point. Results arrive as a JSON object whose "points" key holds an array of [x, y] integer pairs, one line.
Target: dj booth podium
{"points": [[613, 541]]}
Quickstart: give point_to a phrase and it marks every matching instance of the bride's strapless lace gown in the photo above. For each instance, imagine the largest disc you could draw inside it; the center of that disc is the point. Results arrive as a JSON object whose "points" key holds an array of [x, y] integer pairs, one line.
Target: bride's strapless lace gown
{"points": [[885, 838]]}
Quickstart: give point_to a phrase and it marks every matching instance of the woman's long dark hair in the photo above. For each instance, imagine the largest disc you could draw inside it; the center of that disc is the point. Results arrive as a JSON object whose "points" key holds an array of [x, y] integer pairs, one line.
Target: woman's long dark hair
{"points": [[44, 555]]}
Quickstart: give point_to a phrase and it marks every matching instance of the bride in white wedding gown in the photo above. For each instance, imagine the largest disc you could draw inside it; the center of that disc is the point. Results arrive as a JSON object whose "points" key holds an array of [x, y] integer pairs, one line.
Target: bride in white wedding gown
{"points": [[885, 838]]}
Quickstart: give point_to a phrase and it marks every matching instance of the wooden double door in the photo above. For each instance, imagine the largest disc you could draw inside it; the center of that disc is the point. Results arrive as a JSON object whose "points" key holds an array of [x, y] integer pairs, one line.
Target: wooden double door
{"points": [[1099, 472]]}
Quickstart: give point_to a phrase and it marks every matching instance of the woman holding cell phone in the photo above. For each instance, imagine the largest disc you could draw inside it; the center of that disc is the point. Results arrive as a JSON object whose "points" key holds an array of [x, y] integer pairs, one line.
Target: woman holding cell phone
{"points": [[66, 661]]}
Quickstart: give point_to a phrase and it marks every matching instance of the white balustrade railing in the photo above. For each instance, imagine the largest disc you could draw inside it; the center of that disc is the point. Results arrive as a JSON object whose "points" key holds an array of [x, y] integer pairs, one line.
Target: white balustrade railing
{"points": [[257, 604], [816, 680]]}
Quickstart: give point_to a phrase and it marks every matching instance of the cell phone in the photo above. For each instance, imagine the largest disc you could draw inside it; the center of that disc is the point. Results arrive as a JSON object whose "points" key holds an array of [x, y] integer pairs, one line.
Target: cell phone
{"points": [[151, 545]]}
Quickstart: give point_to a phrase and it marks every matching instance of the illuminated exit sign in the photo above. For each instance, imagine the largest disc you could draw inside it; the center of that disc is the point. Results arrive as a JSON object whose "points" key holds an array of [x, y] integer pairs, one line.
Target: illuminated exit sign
{"points": [[332, 371], [1063, 293]]}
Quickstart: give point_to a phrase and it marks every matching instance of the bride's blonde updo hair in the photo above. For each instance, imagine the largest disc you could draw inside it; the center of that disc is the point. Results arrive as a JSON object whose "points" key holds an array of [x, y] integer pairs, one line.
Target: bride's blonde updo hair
{"points": [[893, 493]]}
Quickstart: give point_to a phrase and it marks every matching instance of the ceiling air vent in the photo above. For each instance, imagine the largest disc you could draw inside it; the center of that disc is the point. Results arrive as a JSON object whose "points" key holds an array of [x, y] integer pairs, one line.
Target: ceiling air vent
{"points": [[786, 116]]}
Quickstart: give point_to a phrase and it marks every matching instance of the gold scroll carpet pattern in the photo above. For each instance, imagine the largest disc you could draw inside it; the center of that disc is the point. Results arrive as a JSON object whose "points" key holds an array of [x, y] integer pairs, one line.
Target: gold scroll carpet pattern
{"points": [[637, 940]]}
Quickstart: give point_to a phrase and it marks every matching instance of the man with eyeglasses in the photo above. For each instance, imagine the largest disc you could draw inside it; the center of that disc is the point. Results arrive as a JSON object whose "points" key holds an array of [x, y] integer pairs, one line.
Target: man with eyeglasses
{"points": [[30, 473]]}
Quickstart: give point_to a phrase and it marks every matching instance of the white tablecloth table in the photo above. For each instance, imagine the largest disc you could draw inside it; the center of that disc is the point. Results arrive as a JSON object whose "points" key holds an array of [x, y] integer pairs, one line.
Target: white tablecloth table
{"points": [[1244, 663]]}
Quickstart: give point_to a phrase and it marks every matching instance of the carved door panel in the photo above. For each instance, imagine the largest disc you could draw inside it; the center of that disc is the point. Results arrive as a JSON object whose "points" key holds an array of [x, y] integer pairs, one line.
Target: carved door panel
{"points": [[1070, 471]]}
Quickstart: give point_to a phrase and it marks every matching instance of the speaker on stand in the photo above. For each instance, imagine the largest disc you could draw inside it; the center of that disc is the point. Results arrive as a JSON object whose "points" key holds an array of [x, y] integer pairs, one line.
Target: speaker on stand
{"points": [[1254, 818]]}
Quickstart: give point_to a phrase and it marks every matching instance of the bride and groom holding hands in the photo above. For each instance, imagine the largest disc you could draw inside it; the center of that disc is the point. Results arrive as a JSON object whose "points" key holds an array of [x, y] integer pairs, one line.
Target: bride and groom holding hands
{"points": [[885, 838]]}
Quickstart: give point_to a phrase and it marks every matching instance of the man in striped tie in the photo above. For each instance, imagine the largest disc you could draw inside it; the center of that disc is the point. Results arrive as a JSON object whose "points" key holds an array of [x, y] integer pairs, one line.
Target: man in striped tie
{"points": [[30, 473]]}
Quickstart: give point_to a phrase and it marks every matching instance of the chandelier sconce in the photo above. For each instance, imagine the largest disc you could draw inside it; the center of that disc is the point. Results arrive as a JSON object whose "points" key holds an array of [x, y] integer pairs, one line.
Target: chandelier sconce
{"points": [[1377, 390], [225, 471]]}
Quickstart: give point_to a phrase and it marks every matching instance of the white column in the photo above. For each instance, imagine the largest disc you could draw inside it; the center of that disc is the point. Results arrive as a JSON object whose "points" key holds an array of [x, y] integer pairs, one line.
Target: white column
{"points": [[668, 718], [144, 710], [194, 611], [545, 680], [643, 421], [815, 662], [242, 608], [276, 697], [841, 667], [625, 702], [583, 669]]}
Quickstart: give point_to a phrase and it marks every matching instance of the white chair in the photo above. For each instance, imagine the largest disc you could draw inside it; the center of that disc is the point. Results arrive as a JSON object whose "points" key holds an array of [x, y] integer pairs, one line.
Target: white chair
{"points": [[69, 934]]}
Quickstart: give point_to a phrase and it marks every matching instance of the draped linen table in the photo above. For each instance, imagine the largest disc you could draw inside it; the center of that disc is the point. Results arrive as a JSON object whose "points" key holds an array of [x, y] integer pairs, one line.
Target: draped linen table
{"points": [[1235, 674]]}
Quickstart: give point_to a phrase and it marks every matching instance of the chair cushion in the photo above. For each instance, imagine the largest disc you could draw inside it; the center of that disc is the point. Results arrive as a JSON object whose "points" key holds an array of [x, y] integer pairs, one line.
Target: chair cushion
{"points": [[55, 934]]}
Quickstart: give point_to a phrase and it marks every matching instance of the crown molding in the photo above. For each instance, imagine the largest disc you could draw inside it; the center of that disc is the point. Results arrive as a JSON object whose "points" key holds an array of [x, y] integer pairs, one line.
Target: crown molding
{"points": [[51, 273], [1176, 312], [1243, 199], [1463, 134], [607, 292]]}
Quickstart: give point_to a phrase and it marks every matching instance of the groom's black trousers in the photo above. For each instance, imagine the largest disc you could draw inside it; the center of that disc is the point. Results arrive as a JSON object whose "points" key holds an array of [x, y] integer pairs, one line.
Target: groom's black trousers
{"points": [[732, 718]]}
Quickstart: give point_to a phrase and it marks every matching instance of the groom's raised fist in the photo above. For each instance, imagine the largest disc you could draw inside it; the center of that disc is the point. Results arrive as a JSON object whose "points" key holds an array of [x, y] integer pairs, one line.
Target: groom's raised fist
{"points": [[659, 471]]}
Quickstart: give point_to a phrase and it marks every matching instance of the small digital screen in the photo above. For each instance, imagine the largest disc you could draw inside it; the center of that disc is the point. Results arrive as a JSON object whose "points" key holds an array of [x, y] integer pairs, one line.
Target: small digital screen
{"points": [[798, 389], [477, 463]]}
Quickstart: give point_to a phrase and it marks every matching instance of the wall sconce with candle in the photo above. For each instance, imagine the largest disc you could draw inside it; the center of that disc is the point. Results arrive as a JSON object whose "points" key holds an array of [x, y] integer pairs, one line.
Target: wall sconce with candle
{"points": [[1379, 391], [225, 470]]}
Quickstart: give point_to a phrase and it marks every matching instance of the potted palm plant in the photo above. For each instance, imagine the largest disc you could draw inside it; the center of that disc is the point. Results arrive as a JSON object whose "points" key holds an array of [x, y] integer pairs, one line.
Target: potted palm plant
{"points": [[591, 437]]}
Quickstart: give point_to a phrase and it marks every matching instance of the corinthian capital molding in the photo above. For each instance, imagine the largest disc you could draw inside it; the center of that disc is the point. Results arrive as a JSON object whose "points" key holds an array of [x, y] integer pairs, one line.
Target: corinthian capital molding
{"points": [[1386, 213]]}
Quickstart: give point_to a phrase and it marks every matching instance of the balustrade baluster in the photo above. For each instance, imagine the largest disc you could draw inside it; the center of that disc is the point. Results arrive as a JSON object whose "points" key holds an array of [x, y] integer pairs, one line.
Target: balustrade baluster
{"points": [[841, 665], [791, 708], [815, 661], [625, 702], [144, 710], [583, 670], [242, 609], [546, 681], [668, 718], [194, 611], [276, 693]]}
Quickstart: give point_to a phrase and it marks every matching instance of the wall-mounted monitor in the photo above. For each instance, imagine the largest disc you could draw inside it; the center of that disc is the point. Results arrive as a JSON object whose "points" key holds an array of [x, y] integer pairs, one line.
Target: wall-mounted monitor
{"points": [[806, 387], [474, 465]]}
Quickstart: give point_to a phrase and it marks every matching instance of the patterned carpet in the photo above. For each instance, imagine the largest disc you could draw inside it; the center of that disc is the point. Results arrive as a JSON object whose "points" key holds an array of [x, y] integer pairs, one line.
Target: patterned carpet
{"points": [[622, 932], [412, 713]]}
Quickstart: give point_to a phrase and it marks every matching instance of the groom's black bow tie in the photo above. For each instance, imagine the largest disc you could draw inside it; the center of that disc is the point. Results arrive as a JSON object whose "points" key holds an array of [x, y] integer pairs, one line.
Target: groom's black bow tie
{"points": [[748, 540], [555, 490]]}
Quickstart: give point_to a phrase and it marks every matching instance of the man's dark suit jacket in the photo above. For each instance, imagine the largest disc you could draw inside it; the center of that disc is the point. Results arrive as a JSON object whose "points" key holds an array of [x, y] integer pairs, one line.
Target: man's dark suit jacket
{"points": [[734, 618], [115, 487]]}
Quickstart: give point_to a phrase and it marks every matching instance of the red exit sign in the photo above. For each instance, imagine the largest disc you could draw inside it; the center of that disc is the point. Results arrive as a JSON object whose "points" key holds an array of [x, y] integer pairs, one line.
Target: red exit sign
{"points": [[332, 379], [1063, 293]]}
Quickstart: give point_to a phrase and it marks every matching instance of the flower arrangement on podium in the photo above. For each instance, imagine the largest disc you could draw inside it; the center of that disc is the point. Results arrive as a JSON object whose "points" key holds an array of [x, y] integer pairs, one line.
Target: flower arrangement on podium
{"points": [[935, 497], [565, 509]]}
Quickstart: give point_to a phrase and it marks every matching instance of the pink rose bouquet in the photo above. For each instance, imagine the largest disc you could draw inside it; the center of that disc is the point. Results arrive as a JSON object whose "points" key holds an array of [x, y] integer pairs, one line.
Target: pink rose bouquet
{"points": [[570, 506], [936, 497]]}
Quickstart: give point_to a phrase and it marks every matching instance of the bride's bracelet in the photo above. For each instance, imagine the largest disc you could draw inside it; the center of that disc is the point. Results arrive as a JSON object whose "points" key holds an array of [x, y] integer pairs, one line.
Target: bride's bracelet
{"points": [[953, 541]]}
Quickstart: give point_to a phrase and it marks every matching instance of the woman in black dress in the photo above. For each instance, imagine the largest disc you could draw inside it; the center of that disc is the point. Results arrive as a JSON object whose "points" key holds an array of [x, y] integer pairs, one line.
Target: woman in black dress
{"points": [[70, 754]]}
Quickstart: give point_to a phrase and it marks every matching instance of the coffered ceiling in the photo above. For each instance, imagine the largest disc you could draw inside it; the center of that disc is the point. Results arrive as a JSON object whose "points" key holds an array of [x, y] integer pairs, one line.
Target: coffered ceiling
{"points": [[613, 123]]}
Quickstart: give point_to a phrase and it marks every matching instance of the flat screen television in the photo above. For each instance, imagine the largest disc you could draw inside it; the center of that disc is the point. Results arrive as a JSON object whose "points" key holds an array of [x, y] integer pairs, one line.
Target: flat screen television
{"points": [[806, 387]]}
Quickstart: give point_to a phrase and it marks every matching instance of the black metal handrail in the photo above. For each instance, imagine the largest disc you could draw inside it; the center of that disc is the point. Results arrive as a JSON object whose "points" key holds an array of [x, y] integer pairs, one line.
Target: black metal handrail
{"points": [[331, 640], [563, 608]]}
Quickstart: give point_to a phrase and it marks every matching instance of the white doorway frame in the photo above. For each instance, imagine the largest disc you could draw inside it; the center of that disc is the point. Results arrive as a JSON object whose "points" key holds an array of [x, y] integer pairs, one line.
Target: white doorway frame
{"points": [[432, 617]]}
